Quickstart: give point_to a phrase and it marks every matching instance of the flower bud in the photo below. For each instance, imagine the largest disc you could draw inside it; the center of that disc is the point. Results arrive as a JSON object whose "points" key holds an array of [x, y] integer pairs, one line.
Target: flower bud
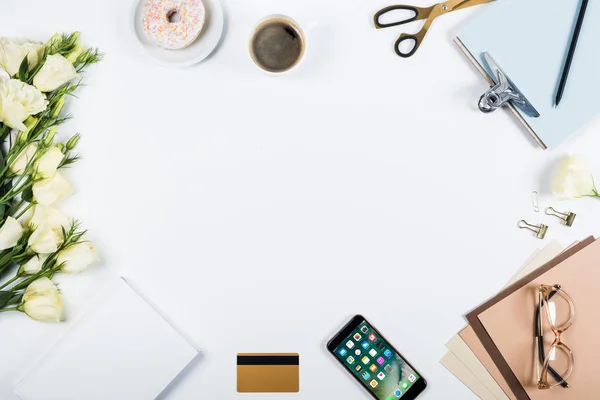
{"points": [[77, 257], [60, 146], [30, 124], [42, 302], [19, 165], [75, 37], [50, 191], [57, 108], [48, 163], [10, 233], [75, 53], [73, 142], [22, 137], [34, 265], [45, 240], [54, 41], [573, 179], [49, 139]]}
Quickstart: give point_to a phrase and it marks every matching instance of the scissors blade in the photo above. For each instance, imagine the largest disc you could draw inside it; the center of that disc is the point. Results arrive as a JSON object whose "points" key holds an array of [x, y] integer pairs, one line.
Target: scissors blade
{"points": [[461, 4]]}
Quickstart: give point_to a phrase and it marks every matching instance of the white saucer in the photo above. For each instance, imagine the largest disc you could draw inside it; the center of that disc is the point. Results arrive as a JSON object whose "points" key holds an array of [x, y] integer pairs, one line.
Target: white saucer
{"points": [[195, 52]]}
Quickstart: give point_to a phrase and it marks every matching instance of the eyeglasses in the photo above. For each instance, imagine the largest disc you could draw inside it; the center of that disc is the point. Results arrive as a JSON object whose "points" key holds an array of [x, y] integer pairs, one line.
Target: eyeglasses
{"points": [[559, 311]]}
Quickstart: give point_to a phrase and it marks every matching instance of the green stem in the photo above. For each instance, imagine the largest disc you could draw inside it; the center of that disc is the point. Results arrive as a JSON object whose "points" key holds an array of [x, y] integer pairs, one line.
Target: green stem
{"points": [[10, 309], [24, 210], [24, 283], [15, 207], [11, 281]]}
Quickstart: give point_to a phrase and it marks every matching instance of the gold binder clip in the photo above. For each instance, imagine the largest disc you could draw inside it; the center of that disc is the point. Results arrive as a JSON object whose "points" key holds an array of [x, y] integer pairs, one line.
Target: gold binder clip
{"points": [[539, 230], [567, 218]]}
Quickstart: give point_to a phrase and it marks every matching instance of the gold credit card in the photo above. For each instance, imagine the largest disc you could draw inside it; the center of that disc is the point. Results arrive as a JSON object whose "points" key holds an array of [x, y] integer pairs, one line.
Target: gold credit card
{"points": [[268, 372]]}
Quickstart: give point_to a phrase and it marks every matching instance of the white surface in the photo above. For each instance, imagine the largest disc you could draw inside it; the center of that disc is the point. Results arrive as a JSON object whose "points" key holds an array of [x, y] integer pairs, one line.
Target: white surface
{"points": [[121, 349], [260, 212], [197, 51]]}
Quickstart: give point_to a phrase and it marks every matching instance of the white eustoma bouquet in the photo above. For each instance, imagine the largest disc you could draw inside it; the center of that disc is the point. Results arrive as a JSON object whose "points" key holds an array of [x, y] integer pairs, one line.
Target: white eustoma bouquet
{"points": [[37, 240]]}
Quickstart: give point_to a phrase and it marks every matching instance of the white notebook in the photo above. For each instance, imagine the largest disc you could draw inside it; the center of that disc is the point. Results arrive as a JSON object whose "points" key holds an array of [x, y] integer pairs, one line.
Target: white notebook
{"points": [[120, 349]]}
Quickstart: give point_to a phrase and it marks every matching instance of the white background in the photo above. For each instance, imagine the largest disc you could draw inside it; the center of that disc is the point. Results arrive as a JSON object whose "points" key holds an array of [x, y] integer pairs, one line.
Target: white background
{"points": [[258, 213]]}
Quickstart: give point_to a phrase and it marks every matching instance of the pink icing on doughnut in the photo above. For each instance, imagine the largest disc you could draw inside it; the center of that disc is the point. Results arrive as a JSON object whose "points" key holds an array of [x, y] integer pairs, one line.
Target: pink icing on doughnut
{"points": [[169, 32]]}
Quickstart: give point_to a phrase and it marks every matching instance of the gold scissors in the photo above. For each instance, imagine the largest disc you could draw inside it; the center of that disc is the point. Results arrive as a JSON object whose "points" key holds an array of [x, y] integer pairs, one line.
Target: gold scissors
{"points": [[428, 13]]}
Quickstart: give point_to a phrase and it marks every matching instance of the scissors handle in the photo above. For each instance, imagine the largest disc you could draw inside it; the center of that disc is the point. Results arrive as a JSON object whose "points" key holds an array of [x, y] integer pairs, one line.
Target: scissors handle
{"points": [[417, 38], [419, 13]]}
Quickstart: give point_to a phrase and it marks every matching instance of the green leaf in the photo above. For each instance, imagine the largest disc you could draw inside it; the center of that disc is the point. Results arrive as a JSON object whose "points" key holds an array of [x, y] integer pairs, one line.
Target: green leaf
{"points": [[27, 194], [5, 298], [15, 300], [24, 69], [2, 210]]}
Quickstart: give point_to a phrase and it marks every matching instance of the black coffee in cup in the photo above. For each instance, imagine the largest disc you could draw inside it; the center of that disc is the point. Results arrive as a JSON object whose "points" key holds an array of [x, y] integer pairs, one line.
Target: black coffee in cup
{"points": [[277, 44]]}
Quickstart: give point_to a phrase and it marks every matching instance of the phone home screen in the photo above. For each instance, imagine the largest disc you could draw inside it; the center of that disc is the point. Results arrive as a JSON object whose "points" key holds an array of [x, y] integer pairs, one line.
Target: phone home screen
{"points": [[369, 357]]}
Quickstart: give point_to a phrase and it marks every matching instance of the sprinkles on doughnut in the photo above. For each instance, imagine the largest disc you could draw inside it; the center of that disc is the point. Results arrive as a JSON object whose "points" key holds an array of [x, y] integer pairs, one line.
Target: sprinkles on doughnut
{"points": [[173, 24]]}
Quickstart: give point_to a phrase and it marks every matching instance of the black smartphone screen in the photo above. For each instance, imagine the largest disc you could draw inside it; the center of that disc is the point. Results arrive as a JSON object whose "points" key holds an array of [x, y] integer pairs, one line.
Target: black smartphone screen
{"points": [[374, 362]]}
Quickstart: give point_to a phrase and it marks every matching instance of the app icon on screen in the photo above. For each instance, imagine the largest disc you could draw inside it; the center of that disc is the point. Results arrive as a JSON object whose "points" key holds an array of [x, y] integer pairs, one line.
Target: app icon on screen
{"points": [[373, 368], [350, 344], [380, 345], [357, 352], [373, 383], [388, 368], [380, 360], [398, 393], [350, 360], [412, 378], [387, 353], [342, 352], [404, 385], [372, 337], [366, 375], [357, 336], [358, 368], [365, 345], [364, 330], [380, 376], [365, 360], [373, 352]]}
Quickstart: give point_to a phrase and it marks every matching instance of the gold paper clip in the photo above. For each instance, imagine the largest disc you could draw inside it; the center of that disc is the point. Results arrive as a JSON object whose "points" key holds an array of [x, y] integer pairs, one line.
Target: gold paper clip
{"points": [[539, 230], [567, 218]]}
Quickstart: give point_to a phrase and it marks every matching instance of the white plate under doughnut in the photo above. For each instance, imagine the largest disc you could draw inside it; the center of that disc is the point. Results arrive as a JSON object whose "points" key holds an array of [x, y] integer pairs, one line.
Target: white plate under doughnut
{"points": [[201, 48]]}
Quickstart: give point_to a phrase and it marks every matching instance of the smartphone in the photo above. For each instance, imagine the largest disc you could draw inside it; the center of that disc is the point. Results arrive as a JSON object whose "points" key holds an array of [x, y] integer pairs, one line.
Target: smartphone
{"points": [[375, 363]]}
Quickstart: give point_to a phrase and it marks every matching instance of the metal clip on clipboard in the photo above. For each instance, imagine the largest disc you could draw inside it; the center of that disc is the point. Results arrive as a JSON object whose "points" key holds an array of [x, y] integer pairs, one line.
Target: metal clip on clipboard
{"points": [[503, 92]]}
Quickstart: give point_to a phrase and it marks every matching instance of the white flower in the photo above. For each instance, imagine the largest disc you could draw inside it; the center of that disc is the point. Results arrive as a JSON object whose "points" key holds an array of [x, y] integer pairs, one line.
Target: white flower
{"points": [[50, 190], [10, 233], [77, 257], [573, 180], [4, 74], [18, 166], [13, 51], [49, 216], [42, 302], [55, 72], [45, 240], [18, 101], [34, 265], [48, 163]]}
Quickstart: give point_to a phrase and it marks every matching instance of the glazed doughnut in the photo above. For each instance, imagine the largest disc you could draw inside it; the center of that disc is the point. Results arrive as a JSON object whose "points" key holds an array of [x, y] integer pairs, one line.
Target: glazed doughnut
{"points": [[173, 24]]}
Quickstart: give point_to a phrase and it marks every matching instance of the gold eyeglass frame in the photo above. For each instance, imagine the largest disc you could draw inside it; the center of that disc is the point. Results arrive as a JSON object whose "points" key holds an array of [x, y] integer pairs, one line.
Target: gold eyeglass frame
{"points": [[545, 293]]}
